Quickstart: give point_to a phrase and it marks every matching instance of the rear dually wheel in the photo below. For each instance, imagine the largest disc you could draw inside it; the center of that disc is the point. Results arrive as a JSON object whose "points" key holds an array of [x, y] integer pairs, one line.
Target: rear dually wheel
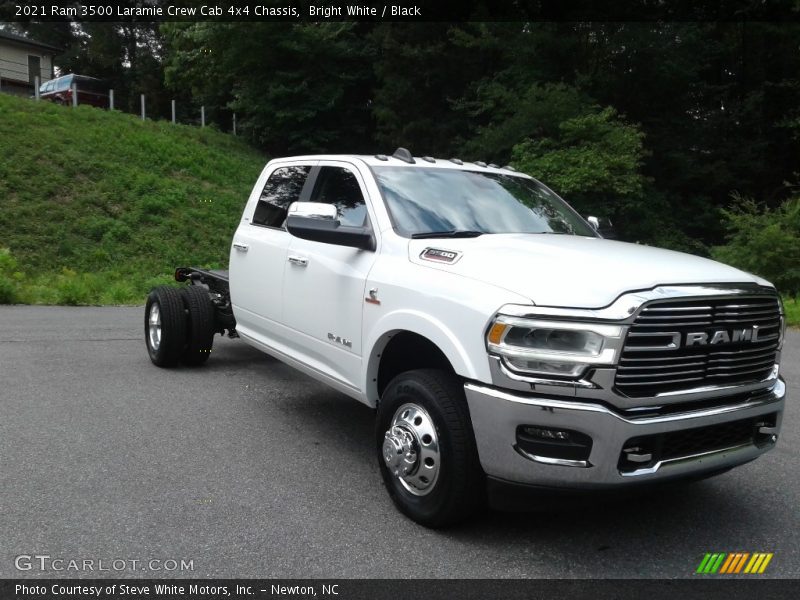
{"points": [[165, 326]]}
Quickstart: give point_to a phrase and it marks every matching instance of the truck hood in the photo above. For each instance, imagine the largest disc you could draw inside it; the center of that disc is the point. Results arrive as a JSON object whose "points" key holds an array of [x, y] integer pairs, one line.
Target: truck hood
{"points": [[568, 270]]}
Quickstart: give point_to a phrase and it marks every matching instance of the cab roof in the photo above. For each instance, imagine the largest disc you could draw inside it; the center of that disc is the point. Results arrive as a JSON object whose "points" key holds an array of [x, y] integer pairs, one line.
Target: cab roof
{"points": [[403, 158]]}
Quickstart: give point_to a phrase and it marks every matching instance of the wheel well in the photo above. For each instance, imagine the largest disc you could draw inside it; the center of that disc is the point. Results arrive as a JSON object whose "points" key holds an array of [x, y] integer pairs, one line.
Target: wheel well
{"points": [[406, 351]]}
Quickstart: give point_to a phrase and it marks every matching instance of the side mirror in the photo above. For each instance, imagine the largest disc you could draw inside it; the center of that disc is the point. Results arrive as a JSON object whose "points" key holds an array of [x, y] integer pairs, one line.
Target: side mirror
{"points": [[318, 222], [603, 226], [314, 210]]}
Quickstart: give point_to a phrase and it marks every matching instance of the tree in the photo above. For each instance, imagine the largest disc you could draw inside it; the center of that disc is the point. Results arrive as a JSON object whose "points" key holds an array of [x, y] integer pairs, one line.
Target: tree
{"points": [[764, 241], [296, 88], [595, 159]]}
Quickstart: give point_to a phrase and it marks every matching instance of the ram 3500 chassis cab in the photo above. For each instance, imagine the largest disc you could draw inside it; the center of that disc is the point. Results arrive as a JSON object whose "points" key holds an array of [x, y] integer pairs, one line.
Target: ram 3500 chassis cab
{"points": [[499, 337]]}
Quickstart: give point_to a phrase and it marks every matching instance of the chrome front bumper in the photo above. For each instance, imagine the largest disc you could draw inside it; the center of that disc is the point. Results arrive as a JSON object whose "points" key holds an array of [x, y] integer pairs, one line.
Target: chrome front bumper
{"points": [[496, 414]]}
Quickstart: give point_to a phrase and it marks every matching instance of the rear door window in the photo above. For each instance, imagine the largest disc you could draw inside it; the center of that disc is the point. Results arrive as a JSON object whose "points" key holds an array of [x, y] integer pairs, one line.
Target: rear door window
{"points": [[282, 188]]}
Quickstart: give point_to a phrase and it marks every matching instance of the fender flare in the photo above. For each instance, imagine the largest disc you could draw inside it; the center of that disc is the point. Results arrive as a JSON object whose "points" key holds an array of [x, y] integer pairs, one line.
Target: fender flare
{"points": [[419, 323]]}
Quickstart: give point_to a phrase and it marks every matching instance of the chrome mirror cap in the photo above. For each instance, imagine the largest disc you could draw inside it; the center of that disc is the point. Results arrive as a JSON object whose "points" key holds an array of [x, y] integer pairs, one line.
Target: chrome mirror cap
{"points": [[314, 210]]}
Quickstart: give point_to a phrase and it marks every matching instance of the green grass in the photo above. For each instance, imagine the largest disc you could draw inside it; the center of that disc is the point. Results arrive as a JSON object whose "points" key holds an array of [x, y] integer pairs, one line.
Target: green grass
{"points": [[792, 308], [98, 206]]}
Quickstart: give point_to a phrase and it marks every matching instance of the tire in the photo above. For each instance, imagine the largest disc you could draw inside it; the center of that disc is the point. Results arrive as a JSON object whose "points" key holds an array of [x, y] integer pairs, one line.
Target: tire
{"points": [[455, 488], [200, 334], [167, 338]]}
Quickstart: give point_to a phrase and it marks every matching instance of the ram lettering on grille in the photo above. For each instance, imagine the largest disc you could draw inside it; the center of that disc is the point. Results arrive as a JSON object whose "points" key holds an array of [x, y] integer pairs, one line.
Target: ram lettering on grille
{"points": [[675, 345]]}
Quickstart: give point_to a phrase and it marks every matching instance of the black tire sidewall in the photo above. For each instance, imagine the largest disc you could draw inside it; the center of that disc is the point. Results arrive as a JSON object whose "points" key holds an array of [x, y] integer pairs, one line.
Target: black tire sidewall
{"points": [[173, 326], [200, 325], [442, 505]]}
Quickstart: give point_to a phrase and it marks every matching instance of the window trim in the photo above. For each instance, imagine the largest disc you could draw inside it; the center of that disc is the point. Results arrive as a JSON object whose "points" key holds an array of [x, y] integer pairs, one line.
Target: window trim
{"points": [[314, 166]]}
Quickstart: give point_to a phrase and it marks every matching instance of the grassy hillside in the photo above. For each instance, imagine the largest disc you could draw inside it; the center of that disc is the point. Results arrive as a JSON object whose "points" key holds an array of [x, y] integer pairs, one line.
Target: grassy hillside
{"points": [[96, 207]]}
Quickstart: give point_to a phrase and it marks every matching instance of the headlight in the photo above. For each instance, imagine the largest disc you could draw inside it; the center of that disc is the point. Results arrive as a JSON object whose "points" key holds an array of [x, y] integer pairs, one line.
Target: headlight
{"points": [[561, 348]]}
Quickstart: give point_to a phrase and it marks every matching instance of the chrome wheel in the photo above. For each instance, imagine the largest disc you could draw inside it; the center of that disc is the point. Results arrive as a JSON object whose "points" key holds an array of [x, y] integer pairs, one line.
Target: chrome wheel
{"points": [[154, 326], [411, 449]]}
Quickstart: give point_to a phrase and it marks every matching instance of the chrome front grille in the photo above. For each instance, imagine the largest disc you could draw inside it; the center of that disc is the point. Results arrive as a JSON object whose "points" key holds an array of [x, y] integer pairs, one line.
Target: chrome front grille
{"points": [[675, 345]]}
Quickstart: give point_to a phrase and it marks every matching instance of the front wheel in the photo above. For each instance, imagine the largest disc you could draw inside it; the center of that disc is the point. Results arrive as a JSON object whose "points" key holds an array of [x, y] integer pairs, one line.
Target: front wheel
{"points": [[426, 448]]}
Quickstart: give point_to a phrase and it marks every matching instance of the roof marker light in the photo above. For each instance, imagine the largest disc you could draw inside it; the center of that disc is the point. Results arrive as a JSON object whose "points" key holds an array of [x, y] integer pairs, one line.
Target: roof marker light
{"points": [[457, 161], [404, 155], [429, 159]]}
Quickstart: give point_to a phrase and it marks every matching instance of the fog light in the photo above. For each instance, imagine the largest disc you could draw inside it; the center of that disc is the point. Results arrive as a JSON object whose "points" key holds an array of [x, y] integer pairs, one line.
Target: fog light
{"points": [[547, 434], [558, 444]]}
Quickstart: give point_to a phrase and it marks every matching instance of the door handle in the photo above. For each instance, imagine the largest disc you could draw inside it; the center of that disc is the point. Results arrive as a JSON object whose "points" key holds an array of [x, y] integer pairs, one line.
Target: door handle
{"points": [[299, 261], [241, 247]]}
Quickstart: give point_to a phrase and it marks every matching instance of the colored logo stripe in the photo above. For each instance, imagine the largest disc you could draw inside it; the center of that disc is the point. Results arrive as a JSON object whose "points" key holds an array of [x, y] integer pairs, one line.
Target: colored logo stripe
{"points": [[734, 562]]}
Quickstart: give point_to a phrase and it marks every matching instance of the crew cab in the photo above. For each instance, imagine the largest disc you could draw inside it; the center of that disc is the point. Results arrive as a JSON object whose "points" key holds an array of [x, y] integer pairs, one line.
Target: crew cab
{"points": [[501, 340]]}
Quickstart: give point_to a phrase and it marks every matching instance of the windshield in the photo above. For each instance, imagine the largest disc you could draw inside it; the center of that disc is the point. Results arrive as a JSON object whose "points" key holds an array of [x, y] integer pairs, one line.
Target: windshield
{"points": [[432, 200]]}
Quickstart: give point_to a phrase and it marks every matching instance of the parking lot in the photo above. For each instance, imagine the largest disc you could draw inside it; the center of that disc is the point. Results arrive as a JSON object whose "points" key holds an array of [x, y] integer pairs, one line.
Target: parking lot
{"points": [[247, 468]]}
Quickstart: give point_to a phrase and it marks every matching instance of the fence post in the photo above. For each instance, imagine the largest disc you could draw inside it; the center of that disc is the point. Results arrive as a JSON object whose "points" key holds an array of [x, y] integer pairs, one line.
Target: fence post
{"points": [[74, 95], [234, 123], [110, 99], [173, 112], [36, 90], [202, 116], [142, 107]]}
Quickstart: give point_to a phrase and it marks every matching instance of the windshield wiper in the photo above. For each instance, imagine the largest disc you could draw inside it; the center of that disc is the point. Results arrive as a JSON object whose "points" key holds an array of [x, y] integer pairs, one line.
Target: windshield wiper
{"points": [[452, 233]]}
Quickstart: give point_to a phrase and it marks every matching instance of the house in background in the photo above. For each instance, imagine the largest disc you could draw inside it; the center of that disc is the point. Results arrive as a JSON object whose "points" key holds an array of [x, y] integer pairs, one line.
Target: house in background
{"points": [[21, 60]]}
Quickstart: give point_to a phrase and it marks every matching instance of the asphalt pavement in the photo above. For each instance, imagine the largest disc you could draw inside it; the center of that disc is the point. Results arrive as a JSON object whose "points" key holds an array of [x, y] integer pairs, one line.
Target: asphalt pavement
{"points": [[247, 468]]}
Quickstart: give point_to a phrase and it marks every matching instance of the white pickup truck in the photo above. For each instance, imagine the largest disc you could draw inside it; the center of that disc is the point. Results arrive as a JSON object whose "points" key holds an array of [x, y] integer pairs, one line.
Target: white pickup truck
{"points": [[502, 341]]}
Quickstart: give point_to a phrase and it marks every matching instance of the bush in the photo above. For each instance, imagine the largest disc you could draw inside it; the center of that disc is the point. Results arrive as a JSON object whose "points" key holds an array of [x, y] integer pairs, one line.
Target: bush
{"points": [[792, 308], [75, 289], [9, 278], [764, 241]]}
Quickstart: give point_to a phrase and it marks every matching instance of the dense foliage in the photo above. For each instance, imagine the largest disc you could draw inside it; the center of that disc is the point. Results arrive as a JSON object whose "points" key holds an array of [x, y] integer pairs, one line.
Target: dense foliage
{"points": [[765, 241]]}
